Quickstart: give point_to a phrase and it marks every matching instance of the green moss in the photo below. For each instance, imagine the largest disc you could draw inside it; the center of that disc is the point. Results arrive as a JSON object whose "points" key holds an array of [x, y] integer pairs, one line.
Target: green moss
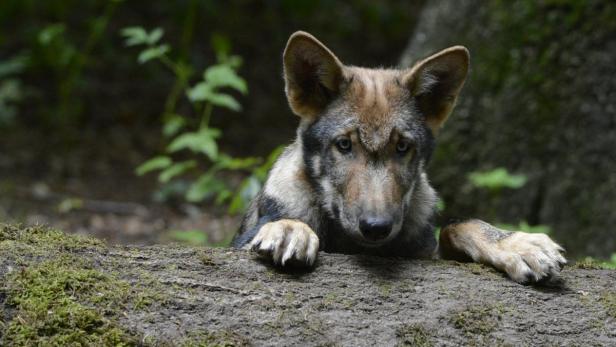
{"points": [[385, 288], [333, 300], [148, 292], [478, 320], [46, 238], [413, 335], [587, 264], [222, 338], [590, 263], [608, 300], [477, 268], [64, 301], [206, 259], [55, 297]]}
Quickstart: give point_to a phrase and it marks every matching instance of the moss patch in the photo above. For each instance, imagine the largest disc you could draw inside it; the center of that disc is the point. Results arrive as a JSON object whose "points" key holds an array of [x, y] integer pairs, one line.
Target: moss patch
{"points": [[608, 300], [478, 320], [589, 263], [45, 237], [413, 335], [206, 259], [222, 338], [62, 302], [53, 296]]}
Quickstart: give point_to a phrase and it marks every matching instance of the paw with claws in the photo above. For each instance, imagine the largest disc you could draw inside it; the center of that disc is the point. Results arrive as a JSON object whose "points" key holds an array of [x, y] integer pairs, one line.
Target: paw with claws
{"points": [[529, 257], [287, 242]]}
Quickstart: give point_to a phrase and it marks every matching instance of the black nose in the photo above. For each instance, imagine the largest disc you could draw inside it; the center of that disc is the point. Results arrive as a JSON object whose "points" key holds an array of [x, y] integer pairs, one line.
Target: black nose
{"points": [[375, 228]]}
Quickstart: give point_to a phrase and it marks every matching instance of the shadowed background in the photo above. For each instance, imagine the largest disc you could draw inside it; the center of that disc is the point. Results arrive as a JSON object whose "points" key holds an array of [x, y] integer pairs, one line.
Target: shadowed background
{"points": [[530, 144]]}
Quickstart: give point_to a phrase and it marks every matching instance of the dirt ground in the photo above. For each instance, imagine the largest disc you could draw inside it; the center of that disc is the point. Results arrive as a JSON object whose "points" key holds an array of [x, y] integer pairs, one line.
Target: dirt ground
{"points": [[93, 190]]}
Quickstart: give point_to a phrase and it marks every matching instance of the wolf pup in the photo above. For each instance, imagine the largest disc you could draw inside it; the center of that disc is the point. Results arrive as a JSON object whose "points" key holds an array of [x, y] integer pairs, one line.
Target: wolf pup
{"points": [[354, 180]]}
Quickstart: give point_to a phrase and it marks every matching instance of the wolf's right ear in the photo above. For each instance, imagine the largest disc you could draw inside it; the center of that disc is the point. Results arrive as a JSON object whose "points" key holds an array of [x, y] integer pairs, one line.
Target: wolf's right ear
{"points": [[312, 75]]}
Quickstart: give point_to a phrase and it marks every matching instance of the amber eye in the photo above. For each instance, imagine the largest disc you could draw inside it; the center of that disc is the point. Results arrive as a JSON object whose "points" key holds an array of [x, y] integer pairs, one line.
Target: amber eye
{"points": [[403, 146], [343, 144]]}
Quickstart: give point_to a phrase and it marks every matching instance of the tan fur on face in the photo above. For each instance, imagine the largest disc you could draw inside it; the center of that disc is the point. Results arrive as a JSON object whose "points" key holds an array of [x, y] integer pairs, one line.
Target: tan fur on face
{"points": [[375, 186], [374, 95]]}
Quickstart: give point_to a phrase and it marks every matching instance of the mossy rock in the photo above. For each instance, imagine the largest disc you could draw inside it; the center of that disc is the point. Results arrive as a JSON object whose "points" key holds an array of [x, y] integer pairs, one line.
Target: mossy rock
{"points": [[57, 298]]}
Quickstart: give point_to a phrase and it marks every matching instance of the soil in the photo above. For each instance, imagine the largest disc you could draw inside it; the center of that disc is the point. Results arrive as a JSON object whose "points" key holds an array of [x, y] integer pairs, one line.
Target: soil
{"points": [[93, 190]]}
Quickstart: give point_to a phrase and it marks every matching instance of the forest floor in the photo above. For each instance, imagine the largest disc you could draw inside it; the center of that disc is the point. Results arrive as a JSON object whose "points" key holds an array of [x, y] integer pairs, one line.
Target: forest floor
{"points": [[91, 189]]}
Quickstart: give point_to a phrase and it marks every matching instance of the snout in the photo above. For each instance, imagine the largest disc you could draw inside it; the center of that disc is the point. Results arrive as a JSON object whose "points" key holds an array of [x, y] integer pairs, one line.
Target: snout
{"points": [[376, 228]]}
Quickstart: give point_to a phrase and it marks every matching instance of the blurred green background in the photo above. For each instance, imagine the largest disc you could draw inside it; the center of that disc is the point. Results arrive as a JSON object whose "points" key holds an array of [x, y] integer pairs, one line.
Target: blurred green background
{"points": [[148, 122]]}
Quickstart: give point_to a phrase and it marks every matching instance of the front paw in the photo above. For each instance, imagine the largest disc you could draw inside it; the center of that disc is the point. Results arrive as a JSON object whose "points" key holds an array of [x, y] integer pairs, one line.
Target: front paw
{"points": [[530, 257], [287, 241]]}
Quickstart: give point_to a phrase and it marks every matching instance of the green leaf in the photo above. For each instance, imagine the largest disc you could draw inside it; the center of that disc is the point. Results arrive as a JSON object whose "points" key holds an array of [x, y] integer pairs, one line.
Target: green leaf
{"points": [[497, 179], [10, 90], [156, 163], [249, 188], [225, 100], [152, 53], [154, 36], [223, 196], [13, 65], [200, 92], [229, 163], [222, 75], [204, 91], [173, 124], [205, 186], [134, 36], [203, 141], [193, 237], [50, 33], [171, 190], [440, 205], [235, 61], [175, 170], [534, 229], [70, 204], [261, 171]]}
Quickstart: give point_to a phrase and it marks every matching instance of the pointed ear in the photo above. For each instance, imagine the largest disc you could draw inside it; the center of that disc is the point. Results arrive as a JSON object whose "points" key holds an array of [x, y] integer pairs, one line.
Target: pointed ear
{"points": [[312, 74], [435, 83]]}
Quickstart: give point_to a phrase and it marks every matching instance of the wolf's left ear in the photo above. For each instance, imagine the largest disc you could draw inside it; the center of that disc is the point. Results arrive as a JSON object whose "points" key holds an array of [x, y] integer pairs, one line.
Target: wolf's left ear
{"points": [[312, 74], [435, 83]]}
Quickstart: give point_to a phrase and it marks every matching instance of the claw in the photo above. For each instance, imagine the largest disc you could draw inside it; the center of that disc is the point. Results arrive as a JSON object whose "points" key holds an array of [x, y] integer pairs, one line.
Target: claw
{"points": [[287, 241]]}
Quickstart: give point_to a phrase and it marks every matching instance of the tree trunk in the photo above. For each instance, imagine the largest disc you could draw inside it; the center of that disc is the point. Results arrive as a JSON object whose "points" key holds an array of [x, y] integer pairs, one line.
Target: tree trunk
{"points": [[540, 101]]}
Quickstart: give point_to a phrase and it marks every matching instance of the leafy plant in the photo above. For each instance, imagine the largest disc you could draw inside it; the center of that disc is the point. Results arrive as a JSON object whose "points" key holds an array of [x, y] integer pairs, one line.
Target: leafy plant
{"points": [[497, 179], [57, 50], [197, 238], [193, 134], [11, 89]]}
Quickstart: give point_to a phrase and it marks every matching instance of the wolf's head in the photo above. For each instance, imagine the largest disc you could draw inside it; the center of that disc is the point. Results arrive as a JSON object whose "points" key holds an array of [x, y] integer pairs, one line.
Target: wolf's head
{"points": [[368, 133]]}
